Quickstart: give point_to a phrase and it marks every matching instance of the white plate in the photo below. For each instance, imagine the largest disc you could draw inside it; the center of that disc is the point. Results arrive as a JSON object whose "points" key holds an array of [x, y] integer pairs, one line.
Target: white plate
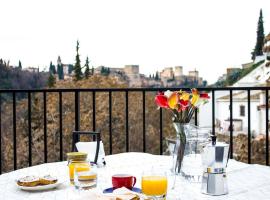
{"points": [[40, 187]]}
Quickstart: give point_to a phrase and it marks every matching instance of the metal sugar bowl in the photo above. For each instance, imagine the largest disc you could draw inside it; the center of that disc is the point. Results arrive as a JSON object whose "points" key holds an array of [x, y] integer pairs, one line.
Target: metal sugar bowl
{"points": [[214, 160]]}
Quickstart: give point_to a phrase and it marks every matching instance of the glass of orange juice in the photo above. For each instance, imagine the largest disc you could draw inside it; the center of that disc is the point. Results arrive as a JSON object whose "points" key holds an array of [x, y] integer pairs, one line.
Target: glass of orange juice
{"points": [[154, 184]]}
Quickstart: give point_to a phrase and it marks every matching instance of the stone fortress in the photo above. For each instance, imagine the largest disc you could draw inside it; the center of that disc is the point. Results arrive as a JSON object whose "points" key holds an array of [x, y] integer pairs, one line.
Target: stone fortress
{"points": [[168, 77]]}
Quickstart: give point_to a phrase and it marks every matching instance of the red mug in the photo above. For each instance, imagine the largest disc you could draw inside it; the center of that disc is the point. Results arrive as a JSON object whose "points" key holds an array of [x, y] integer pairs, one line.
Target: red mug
{"points": [[123, 180]]}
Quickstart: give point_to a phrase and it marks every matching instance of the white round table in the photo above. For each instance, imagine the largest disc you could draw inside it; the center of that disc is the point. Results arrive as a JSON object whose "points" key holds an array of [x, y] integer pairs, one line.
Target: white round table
{"points": [[244, 181]]}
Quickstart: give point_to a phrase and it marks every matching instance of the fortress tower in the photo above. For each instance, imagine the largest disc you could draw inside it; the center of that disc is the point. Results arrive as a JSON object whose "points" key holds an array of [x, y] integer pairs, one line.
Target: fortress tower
{"points": [[178, 71], [133, 74]]}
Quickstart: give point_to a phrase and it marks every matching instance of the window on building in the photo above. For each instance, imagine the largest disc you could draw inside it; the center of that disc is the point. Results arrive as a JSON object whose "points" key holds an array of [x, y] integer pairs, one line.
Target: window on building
{"points": [[242, 110]]}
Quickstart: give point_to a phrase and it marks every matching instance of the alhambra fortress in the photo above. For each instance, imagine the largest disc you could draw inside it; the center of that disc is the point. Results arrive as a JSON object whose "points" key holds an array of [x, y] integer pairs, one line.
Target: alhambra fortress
{"points": [[168, 77]]}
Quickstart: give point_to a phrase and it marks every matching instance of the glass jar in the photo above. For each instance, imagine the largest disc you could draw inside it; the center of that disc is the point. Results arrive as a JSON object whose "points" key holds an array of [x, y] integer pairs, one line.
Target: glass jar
{"points": [[79, 165]]}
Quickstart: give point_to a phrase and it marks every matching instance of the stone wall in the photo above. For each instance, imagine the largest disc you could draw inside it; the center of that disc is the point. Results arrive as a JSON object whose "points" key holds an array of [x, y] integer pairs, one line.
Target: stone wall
{"points": [[240, 147]]}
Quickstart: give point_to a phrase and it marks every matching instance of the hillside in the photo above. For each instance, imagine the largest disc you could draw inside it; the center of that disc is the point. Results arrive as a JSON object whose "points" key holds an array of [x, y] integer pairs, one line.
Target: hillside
{"points": [[16, 78]]}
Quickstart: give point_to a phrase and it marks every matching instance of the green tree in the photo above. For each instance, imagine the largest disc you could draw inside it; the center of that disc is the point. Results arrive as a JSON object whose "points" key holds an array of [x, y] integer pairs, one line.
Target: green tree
{"points": [[20, 65], [258, 50], [51, 80], [52, 68], [92, 71], [105, 71], [87, 70], [70, 68], [60, 72], [156, 76], [77, 67]]}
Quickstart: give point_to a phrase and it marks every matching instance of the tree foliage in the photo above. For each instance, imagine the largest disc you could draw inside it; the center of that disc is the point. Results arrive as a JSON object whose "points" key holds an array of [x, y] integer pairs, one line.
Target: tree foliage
{"points": [[87, 70], [77, 67], [51, 80], [60, 72], [20, 65], [14, 78], [92, 70], [105, 71], [157, 76], [52, 68], [258, 50]]}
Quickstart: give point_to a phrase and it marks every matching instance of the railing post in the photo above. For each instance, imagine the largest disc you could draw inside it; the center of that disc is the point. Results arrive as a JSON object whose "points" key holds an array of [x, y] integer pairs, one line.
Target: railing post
{"points": [[161, 132], [61, 125], [144, 134], [29, 130], [45, 126], [127, 131], [213, 112], [14, 132], [0, 133], [110, 120], [196, 116], [77, 114], [231, 125], [94, 113], [267, 127], [249, 130]]}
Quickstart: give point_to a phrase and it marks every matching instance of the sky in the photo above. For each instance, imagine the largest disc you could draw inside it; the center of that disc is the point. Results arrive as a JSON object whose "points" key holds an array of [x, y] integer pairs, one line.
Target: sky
{"points": [[207, 35]]}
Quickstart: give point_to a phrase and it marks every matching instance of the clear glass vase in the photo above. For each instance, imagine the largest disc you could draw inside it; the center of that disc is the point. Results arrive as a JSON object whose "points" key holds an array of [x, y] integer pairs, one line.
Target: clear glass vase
{"points": [[189, 143]]}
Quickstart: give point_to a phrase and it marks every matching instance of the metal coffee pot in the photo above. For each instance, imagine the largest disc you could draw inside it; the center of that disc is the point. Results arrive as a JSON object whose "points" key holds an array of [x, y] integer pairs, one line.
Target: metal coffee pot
{"points": [[214, 160]]}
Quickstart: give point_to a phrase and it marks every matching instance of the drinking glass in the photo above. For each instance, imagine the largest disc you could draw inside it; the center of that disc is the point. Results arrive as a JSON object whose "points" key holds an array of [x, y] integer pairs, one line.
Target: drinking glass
{"points": [[85, 175], [83, 165], [154, 185]]}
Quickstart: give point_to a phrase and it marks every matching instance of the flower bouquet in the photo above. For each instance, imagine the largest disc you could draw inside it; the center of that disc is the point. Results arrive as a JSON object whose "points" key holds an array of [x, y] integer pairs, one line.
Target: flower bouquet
{"points": [[182, 105]]}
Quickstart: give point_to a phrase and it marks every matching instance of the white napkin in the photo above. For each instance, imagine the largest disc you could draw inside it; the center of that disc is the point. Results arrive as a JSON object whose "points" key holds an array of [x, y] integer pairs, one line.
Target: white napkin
{"points": [[118, 194], [90, 149]]}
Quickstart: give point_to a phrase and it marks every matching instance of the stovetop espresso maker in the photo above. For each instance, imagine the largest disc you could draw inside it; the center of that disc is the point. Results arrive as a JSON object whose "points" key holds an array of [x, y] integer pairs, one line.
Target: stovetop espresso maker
{"points": [[214, 160]]}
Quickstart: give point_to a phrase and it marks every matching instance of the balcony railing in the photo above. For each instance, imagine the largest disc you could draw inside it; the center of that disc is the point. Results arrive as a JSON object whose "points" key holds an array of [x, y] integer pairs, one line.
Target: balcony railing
{"points": [[126, 91]]}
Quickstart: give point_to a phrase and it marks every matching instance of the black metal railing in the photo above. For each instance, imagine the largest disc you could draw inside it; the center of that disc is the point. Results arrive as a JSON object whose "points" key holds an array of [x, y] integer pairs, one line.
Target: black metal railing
{"points": [[143, 91]]}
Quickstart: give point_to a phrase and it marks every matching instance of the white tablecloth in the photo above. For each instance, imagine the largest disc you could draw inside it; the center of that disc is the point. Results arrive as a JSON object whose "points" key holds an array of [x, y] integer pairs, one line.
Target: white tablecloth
{"points": [[245, 181]]}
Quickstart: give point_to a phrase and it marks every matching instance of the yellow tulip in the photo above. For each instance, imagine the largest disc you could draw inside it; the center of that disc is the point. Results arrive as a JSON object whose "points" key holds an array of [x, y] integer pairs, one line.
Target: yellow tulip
{"points": [[195, 96], [184, 96], [173, 100]]}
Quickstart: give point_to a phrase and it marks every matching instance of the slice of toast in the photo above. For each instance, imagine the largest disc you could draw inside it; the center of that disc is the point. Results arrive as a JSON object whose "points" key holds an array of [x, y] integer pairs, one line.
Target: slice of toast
{"points": [[28, 181], [46, 180]]}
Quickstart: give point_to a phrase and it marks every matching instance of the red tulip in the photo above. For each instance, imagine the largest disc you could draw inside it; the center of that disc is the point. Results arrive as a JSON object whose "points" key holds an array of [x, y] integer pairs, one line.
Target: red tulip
{"points": [[184, 103], [161, 101], [204, 96]]}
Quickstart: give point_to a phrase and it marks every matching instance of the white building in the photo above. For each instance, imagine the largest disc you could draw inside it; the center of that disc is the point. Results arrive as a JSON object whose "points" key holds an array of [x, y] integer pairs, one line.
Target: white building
{"points": [[260, 76]]}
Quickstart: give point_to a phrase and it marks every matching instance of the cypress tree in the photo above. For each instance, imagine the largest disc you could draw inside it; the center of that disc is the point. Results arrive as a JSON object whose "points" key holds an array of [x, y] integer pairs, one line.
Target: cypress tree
{"points": [[51, 80], [156, 77], [77, 67], [87, 70], [20, 65], [102, 70], [258, 50], [70, 68], [60, 72], [92, 71], [52, 68]]}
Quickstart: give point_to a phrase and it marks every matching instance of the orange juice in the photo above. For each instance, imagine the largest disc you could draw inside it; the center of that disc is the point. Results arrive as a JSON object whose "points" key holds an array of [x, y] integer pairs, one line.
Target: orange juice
{"points": [[80, 167], [154, 185]]}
